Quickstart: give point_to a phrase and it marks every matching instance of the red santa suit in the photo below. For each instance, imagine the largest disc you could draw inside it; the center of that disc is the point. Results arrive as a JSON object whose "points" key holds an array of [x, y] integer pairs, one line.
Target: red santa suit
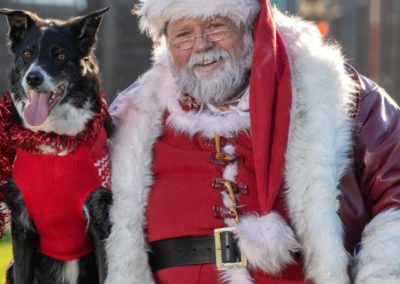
{"points": [[312, 186]]}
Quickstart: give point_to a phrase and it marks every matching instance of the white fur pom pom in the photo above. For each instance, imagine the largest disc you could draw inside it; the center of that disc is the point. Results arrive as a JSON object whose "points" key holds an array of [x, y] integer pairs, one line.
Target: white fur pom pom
{"points": [[267, 242]]}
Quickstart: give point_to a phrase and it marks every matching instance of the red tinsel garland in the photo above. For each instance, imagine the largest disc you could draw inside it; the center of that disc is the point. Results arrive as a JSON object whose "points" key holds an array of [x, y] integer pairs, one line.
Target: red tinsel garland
{"points": [[13, 136], [6, 157]]}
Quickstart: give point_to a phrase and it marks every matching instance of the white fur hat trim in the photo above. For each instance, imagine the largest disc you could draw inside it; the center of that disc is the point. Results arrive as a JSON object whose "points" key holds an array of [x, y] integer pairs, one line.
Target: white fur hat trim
{"points": [[154, 14]]}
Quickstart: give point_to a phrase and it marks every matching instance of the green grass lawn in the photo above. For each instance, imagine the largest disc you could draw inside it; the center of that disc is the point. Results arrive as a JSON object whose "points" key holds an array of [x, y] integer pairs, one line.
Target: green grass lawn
{"points": [[5, 255]]}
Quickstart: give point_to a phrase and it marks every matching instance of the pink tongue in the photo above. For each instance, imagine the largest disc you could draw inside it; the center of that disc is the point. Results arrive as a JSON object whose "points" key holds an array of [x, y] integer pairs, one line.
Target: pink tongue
{"points": [[37, 110]]}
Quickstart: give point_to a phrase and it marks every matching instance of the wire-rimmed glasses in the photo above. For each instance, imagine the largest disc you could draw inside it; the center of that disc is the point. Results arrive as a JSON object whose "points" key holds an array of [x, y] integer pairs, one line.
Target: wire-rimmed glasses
{"points": [[187, 42]]}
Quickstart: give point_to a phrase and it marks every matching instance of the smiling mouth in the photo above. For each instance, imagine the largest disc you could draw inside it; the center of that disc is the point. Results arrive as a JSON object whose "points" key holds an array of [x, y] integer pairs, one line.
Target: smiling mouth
{"points": [[56, 95], [40, 104], [208, 62]]}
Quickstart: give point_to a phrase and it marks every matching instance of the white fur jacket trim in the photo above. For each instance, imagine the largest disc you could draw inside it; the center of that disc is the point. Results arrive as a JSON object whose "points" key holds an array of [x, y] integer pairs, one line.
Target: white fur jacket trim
{"points": [[379, 258], [316, 159]]}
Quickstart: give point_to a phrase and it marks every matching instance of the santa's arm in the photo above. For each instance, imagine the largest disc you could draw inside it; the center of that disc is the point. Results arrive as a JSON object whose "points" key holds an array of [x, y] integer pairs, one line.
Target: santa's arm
{"points": [[378, 257]]}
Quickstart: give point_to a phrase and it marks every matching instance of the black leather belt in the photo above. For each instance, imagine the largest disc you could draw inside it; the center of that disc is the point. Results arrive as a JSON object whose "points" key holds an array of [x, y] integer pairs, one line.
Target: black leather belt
{"points": [[220, 248]]}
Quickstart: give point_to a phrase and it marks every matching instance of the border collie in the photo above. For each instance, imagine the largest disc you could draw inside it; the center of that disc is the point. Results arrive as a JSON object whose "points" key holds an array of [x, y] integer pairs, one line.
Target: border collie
{"points": [[58, 192]]}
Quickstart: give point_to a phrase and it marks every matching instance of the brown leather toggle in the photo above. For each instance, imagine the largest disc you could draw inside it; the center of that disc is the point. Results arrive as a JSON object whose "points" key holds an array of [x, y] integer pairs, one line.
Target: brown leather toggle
{"points": [[223, 158], [238, 188], [219, 157], [224, 141], [232, 212], [235, 212]]}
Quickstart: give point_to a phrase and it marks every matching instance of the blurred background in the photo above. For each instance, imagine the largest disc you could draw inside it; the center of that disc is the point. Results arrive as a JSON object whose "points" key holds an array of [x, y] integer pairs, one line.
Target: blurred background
{"points": [[368, 30]]}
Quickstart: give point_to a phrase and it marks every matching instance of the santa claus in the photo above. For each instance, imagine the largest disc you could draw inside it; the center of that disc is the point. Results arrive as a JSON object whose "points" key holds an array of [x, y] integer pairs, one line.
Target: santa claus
{"points": [[251, 153]]}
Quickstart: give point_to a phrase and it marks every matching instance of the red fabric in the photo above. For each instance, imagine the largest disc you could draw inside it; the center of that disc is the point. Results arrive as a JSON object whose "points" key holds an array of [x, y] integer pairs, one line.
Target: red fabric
{"points": [[183, 189], [6, 157], [270, 101], [55, 188], [183, 193]]}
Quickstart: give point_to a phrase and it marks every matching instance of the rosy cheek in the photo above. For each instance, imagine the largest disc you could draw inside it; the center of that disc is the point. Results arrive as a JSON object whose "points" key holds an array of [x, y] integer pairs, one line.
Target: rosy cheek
{"points": [[181, 58]]}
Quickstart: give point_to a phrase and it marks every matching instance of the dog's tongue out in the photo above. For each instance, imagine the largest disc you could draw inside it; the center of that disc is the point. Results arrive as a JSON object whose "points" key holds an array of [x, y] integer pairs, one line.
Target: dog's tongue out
{"points": [[37, 109]]}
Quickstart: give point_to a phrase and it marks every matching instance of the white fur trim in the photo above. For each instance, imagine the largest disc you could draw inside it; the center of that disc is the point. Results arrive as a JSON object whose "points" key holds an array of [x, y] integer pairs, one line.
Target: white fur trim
{"points": [[154, 14], [378, 260], [139, 122], [267, 241], [226, 124], [318, 148], [236, 275]]}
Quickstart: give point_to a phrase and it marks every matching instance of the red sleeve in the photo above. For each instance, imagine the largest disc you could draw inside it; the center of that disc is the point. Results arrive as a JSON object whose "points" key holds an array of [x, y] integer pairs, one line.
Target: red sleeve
{"points": [[377, 154]]}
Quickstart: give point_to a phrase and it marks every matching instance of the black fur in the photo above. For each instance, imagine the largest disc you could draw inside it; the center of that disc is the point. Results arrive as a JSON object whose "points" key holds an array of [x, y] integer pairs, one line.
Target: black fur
{"points": [[44, 40], [29, 265], [24, 237]]}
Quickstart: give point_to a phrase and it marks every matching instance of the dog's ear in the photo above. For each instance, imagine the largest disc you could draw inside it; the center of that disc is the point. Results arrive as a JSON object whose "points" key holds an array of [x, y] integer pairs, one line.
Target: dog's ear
{"points": [[86, 27], [19, 22]]}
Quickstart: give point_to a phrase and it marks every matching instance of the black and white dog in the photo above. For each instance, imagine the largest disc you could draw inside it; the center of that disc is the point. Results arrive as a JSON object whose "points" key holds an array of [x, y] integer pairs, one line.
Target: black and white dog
{"points": [[55, 91]]}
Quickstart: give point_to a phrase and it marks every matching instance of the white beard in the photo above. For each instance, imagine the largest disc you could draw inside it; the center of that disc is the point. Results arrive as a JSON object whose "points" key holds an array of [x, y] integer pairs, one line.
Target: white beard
{"points": [[220, 85]]}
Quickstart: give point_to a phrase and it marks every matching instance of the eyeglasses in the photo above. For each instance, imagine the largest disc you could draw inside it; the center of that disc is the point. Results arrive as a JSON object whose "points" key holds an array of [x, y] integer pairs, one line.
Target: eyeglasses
{"points": [[187, 42]]}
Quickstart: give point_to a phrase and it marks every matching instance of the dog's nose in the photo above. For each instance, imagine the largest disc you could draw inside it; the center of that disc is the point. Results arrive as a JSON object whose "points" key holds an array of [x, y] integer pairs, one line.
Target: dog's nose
{"points": [[34, 79]]}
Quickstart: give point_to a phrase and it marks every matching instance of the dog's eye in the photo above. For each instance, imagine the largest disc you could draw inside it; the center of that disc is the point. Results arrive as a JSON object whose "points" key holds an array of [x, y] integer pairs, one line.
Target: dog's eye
{"points": [[27, 54], [61, 56]]}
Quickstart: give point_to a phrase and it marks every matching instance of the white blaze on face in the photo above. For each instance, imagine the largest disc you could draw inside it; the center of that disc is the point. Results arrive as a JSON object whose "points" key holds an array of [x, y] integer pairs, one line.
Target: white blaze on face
{"points": [[41, 99]]}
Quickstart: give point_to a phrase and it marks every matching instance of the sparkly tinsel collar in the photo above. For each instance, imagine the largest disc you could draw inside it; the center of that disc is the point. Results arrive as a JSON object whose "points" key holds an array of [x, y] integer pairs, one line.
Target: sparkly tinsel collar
{"points": [[28, 140]]}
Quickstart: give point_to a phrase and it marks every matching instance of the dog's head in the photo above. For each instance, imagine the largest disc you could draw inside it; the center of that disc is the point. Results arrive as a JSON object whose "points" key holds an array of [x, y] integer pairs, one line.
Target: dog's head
{"points": [[54, 77]]}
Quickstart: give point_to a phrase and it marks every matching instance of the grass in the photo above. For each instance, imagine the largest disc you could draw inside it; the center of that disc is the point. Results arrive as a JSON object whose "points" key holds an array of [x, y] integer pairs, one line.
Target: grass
{"points": [[5, 255]]}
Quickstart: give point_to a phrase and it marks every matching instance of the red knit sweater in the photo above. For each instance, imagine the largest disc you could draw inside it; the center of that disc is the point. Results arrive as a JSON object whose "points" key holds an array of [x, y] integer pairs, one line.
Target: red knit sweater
{"points": [[55, 188]]}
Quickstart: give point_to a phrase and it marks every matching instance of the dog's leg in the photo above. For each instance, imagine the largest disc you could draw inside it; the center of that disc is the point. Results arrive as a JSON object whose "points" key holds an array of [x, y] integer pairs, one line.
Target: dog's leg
{"points": [[10, 274], [24, 238], [96, 211]]}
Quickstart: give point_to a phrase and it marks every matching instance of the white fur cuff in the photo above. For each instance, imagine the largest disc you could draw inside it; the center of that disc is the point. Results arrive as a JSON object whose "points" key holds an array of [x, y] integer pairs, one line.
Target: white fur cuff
{"points": [[379, 258], [267, 242]]}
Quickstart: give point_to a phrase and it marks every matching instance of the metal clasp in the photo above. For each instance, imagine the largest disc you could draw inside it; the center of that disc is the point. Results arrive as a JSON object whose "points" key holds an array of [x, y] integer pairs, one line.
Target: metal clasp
{"points": [[218, 251]]}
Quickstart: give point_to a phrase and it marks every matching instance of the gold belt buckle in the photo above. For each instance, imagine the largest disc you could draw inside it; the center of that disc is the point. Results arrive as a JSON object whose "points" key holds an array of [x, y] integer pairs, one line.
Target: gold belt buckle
{"points": [[218, 251]]}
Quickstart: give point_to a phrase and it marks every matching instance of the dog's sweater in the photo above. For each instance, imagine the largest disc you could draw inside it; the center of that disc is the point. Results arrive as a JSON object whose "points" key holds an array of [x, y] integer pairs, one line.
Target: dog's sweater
{"points": [[55, 189]]}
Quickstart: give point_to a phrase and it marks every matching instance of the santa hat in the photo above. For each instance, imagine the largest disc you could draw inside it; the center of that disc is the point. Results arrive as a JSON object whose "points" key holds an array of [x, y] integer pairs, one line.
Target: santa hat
{"points": [[270, 79], [155, 14]]}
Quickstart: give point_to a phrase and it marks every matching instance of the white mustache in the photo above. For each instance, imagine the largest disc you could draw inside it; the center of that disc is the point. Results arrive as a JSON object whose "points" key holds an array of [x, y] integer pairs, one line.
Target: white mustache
{"points": [[208, 56]]}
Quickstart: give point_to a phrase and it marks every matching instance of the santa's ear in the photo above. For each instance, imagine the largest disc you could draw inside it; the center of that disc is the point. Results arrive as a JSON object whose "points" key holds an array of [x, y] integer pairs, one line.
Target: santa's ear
{"points": [[19, 22], [85, 28]]}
